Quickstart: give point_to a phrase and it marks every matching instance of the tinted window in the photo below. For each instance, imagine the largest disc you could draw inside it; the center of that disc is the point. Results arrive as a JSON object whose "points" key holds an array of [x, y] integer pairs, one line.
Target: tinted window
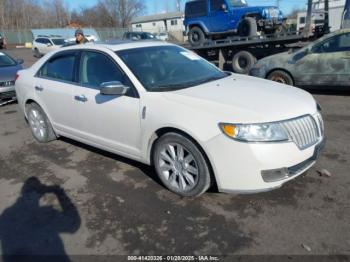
{"points": [[60, 68], [97, 68], [45, 41], [216, 5], [339, 43], [39, 40], [196, 8], [167, 68], [58, 41]]}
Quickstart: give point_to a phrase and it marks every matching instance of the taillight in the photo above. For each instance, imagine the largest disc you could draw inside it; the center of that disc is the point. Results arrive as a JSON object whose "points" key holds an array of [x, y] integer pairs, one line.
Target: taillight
{"points": [[17, 76]]}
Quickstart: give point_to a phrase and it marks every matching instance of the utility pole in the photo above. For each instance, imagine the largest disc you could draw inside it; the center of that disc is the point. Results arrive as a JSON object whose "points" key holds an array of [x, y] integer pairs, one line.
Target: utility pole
{"points": [[178, 5], [307, 29], [326, 17], [278, 3]]}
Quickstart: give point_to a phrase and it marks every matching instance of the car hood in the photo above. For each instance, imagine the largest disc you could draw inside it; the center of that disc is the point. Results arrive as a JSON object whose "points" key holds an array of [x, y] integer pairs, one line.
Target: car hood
{"points": [[244, 99], [8, 73]]}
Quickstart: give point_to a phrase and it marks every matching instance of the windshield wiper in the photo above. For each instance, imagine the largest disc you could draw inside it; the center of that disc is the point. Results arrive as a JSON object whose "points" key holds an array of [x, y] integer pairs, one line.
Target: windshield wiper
{"points": [[174, 87]]}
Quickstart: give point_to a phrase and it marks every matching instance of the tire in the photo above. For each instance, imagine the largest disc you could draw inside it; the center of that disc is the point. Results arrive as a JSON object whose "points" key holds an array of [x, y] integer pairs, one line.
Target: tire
{"points": [[36, 53], [196, 36], [243, 62], [281, 77], [186, 174], [248, 27], [39, 124]]}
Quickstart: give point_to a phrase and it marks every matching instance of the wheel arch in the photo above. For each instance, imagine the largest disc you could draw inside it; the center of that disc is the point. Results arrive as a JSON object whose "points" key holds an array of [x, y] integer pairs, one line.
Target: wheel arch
{"points": [[199, 25], [280, 69], [165, 130]]}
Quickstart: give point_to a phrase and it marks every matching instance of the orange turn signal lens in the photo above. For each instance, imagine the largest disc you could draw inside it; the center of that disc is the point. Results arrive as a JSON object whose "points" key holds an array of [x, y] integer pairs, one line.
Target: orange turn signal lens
{"points": [[229, 130]]}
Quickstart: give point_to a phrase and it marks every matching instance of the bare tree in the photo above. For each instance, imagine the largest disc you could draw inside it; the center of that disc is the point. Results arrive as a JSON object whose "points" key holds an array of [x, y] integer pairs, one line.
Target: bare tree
{"points": [[26, 14]]}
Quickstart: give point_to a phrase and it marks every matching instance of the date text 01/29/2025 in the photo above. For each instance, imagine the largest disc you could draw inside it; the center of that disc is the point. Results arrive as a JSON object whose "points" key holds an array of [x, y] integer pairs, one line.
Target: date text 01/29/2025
{"points": [[173, 258]]}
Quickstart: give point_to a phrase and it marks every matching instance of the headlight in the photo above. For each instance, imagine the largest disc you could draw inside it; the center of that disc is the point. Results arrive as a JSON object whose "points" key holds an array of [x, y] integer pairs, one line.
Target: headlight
{"points": [[270, 132]]}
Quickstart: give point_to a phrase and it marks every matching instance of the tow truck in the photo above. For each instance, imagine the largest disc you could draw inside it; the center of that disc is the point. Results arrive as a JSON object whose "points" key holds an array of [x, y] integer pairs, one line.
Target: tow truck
{"points": [[239, 54]]}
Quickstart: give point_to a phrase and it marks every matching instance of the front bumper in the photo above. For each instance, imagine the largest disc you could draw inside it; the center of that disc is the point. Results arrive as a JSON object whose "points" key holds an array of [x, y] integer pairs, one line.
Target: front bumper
{"points": [[242, 167], [269, 24], [7, 92]]}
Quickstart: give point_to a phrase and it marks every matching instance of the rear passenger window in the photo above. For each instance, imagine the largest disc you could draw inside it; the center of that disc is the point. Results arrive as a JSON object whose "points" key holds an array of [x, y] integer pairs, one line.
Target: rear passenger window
{"points": [[196, 8], [59, 68]]}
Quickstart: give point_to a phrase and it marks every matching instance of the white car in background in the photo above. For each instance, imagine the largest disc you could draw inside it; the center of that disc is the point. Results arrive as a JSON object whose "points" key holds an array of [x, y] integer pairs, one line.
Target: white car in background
{"points": [[45, 44], [163, 36], [163, 105]]}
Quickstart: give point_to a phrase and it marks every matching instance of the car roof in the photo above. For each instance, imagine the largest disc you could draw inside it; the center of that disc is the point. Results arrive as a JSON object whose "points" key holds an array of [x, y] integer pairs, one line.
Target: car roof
{"points": [[118, 45]]}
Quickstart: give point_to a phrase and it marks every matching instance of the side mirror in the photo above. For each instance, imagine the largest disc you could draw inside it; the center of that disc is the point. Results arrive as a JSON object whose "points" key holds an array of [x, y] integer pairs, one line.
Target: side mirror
{"points": [[114, 88], [135, 38], [224, 7], [20, 61], [48, 44]]}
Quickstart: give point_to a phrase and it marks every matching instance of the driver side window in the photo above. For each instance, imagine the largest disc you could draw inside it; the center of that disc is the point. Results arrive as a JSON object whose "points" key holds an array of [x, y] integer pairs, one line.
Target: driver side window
{"points": [[339, 43], [97, 68]]}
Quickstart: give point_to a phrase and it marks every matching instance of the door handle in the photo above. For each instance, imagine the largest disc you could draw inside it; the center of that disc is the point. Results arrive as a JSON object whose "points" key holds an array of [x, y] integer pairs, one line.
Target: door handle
{"points": [[81, 98], [39, 88]]}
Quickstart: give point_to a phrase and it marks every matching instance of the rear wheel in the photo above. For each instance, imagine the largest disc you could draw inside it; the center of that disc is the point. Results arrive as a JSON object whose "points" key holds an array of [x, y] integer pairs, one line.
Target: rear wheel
{"points": [[181, 165], [281, 77], [196, 36], [39, 124], [248, 27], [242, 62]]}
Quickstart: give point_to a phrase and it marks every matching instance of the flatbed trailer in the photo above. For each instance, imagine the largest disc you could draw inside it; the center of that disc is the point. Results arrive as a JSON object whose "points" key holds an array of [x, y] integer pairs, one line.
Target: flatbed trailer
{"points": [[239, 54]]}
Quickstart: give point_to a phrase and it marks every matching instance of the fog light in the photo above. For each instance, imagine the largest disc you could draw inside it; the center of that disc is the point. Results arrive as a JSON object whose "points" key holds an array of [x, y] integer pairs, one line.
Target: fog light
{"points": [[275, 175]]}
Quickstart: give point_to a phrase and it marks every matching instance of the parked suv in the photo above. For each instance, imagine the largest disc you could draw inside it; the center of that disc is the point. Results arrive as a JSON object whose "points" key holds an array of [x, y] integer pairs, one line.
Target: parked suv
{"points": [[2, 42], [220, 18], [45, 44]]}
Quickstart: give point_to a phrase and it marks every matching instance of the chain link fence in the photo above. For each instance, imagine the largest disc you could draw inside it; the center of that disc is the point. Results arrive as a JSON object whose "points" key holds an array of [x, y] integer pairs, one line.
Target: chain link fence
{"points": [[21, 37]]}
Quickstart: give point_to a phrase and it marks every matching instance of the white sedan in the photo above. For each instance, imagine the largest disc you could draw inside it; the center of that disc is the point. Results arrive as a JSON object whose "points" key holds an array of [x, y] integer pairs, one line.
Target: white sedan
{"points": [[162, 105]]}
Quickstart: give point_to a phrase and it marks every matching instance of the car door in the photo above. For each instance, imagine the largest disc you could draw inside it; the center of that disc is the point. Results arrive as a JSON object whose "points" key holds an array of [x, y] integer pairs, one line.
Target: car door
{"points": [[39, 44], [47, 46], [220, 20], [110, 121], [327, 64], [54, 84]]}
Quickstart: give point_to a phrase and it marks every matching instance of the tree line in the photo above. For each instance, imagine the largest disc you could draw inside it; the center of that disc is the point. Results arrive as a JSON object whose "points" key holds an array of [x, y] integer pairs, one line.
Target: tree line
{"points": [[28, 14]]}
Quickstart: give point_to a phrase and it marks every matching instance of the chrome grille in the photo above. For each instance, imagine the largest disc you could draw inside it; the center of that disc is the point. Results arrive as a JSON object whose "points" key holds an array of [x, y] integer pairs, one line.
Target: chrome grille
{"points": [[303, 131], [7, 83]]}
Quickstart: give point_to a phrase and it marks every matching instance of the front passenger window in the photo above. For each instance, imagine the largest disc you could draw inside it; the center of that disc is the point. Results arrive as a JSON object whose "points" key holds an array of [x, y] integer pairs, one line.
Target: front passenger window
{"points": [[97, 68]]}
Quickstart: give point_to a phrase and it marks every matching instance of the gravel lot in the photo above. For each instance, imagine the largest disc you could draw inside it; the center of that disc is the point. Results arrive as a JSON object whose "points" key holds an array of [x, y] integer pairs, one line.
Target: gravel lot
{"points": [[113, 206]]}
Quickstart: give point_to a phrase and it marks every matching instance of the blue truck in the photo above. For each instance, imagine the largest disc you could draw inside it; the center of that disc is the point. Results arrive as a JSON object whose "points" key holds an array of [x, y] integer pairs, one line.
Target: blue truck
{"points": [[213, 19]]}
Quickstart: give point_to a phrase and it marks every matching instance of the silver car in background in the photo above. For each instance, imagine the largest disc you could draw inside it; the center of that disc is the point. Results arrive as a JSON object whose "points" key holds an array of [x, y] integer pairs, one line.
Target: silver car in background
{"points": [[8, 70]]}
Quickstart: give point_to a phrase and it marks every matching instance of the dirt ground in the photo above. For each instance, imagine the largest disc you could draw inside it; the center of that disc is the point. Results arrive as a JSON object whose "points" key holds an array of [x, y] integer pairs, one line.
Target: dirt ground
{"points": [[104, 204]]}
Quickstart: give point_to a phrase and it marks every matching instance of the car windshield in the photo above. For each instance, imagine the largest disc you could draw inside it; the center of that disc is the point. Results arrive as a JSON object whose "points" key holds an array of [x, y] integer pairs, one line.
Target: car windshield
{"points": [[169, 68], [58, 41], [238, 3], [5, 60]]}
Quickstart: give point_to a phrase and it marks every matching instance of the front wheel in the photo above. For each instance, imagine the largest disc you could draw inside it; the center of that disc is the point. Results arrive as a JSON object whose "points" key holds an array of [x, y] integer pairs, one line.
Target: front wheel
{"points": [[181, 165], [281, 77], [248, 27]]}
